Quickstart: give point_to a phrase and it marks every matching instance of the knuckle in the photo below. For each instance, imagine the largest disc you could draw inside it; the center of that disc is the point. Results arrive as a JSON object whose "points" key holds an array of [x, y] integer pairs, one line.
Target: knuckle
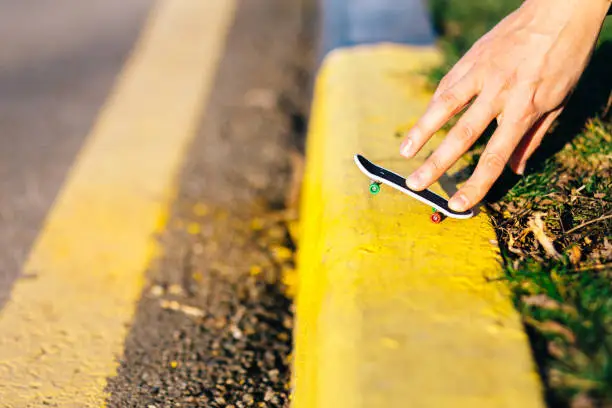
{"points": [[530, 107], [521, 114], [446, 81], [493, 162], [498, 85], [417, 132], [528, 116], [448, 99], [524, 108], [507, 82], [464, 132], [436, 163]]}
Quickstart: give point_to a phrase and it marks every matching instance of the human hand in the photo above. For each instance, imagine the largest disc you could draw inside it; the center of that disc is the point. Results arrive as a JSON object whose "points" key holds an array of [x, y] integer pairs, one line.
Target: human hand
{"points": [[520, 73]]}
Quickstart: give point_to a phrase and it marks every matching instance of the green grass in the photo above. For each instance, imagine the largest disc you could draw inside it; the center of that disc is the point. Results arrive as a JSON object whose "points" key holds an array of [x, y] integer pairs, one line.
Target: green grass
{"points": [[566, 302], [460, 23], [563, 290]]}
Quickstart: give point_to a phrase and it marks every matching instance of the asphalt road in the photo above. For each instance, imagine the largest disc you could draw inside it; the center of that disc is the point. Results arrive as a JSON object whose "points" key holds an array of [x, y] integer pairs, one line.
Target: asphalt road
{"points": [[213, 326], [57, 65]]}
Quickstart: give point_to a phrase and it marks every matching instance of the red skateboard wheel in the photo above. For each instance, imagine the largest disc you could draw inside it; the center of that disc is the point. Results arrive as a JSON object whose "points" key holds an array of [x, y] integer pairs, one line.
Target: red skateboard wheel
{"points": [[436, 218]]}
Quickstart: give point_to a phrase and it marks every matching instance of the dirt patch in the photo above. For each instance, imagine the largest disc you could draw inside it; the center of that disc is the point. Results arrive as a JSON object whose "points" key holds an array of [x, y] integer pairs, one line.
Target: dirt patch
{"points": [[565, 209], [214, 326]]}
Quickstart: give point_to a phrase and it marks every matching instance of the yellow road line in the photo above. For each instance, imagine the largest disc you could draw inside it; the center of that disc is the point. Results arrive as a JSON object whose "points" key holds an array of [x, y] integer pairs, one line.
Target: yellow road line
{"points": [[393, 310], [64, 327]]}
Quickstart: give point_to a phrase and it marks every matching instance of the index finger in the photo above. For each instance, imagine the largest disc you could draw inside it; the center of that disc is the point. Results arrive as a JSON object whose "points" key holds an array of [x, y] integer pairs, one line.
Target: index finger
{"points": [[443, 107]]}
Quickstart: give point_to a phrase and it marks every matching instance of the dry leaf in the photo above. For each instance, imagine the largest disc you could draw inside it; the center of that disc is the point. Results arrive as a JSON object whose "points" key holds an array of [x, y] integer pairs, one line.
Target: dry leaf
{"points": [[582, 400], [556, 350], [560, 379], [177, 307], [575, 254], [547, 303], [546, 202], [536, 225], [607, 248], [557, 328], [552, 327], [542, 301], [511, 247]]}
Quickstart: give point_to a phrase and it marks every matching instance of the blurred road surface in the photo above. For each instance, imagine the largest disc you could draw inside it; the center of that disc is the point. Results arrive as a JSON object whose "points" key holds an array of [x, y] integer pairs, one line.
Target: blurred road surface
{"points": [[209, 106], [58, 61]]}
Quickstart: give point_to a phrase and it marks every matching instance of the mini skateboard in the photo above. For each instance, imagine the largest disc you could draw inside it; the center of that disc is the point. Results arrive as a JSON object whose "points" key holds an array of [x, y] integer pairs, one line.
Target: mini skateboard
{"points": [[379, 175]]}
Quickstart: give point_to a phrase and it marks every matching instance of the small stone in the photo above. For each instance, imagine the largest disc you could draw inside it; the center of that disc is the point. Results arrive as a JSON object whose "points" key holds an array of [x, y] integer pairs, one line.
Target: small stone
{"points": [[255, 270], [176, 290], [281, 253], [200, 209], [236, 333], [260, 98], [257, 224], [156, 291], [248, 398], [273, 375], [194, 228], [276, 233]]}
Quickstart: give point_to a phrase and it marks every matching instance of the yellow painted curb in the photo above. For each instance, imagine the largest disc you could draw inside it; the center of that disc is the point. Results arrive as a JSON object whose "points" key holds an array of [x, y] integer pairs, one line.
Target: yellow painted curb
{"points": [[63, 329], [392, 310]]}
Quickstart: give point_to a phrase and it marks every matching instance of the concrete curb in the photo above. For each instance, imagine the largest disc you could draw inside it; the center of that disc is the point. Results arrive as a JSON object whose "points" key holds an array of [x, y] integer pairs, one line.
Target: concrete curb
{"points": [[392, 310]]}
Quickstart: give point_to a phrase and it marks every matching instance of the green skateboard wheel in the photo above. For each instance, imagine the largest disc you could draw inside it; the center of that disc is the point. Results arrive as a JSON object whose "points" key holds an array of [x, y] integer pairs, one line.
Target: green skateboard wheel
{"points": [[375, 188]]}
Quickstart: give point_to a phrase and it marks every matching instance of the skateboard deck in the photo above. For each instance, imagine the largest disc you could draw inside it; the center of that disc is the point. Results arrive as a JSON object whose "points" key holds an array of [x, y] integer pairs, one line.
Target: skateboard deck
{"points": [[380, 175]]}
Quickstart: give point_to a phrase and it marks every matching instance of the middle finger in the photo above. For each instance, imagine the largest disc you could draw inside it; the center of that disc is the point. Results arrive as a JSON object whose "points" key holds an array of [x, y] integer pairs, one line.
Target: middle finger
{"points": [[459, 139]]}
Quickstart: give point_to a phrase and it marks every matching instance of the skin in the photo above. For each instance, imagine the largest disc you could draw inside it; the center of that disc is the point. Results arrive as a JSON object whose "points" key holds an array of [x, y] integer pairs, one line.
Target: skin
{"points": [[521, 74]]}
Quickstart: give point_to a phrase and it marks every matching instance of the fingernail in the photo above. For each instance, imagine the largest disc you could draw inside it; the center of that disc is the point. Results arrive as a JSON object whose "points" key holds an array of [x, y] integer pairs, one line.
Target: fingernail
{"points": [[458, 203], [405, 148], [415, 181]]}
